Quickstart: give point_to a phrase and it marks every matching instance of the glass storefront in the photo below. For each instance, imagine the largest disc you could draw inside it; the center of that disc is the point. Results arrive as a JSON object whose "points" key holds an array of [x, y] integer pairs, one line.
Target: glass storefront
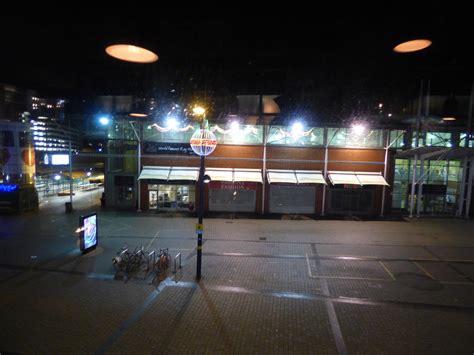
{"points": [[171, 197], [441, 185]]}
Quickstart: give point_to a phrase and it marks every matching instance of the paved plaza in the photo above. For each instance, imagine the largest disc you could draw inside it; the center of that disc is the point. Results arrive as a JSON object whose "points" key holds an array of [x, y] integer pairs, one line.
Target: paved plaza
{"points": [[268, 286]]}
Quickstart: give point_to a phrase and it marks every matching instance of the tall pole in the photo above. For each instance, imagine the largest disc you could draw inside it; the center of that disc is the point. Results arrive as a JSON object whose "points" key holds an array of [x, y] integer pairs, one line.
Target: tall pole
{"points": [[70, 170], [264, 165], [417, 144], [138, 175], [387, 146], [139, 157], [200, 211], [200, 218]]}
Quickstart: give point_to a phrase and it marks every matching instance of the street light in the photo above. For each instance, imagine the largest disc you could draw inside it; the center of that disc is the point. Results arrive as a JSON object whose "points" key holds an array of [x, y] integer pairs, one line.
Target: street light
{"points": [[203, 142]]}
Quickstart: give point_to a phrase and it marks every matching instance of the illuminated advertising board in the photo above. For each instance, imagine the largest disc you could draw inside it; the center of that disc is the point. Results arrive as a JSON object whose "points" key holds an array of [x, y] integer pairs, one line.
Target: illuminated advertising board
{"points": [[89, 232], [59, 159]]}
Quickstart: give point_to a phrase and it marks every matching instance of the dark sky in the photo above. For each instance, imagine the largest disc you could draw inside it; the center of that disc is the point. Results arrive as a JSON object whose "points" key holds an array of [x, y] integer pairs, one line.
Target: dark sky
{"points": [[331, 49]]}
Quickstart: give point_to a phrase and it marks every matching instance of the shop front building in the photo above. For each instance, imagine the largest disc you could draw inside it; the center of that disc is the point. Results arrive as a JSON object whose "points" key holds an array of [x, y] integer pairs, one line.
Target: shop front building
{"points": [[270, 170]]}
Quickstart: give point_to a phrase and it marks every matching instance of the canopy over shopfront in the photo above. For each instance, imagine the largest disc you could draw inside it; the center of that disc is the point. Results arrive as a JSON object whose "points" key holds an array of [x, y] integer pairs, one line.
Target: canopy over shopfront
{"points": [[169, 173], [356, 178], [235, 175], [295, 176]]}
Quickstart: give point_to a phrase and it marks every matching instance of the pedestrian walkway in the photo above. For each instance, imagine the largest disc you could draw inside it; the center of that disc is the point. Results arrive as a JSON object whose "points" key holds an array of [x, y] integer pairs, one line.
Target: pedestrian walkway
{"points": [[279, 286]]}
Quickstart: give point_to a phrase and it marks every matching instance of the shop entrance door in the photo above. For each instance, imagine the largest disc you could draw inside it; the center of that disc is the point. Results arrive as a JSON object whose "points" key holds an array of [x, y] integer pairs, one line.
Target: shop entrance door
{"points": [[171, 197]]}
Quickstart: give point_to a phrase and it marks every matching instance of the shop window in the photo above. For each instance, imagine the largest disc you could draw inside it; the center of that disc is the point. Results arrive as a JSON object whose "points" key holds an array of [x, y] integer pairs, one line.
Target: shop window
{"points": [[171, 197], [397, 137], [438, 139], [462, 140], [282, 135], [241, 135], [348, 137]]}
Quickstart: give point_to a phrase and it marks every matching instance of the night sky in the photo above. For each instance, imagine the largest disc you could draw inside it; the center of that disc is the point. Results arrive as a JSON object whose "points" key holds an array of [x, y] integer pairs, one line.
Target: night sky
{"points": [[303, 54]]}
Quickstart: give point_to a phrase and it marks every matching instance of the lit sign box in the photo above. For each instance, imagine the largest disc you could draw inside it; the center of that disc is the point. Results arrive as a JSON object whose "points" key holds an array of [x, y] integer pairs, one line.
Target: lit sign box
{"points": [[8, 187], [60, 159], [89, 231]]}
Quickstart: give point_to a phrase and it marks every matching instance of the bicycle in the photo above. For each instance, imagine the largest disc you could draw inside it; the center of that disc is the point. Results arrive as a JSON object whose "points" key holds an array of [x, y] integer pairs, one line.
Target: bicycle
{"points": [[163, 261], [127, 261]]}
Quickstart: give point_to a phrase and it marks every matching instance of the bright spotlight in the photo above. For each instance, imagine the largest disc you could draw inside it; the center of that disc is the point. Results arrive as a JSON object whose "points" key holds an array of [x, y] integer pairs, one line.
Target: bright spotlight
{"points": [[297, 128], [235, 126], [57, 177], [104, 120], [171, 122], [358, 129]]}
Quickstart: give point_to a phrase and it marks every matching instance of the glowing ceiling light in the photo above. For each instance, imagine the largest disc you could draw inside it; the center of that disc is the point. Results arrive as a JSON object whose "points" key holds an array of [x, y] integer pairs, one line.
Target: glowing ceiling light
{"points": [[131, 53], [136, 114], [412, 46], [449, 118]]}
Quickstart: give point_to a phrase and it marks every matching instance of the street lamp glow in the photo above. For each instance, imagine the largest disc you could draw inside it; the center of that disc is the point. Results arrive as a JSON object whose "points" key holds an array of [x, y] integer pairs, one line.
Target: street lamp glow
{"points": [[198, 110], [412, 46], [104, 121], [131, 53]]}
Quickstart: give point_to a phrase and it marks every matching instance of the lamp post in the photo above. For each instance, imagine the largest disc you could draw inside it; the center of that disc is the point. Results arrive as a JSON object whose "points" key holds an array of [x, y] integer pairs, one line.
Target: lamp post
{"points": [[139, 149], [203, 142]]}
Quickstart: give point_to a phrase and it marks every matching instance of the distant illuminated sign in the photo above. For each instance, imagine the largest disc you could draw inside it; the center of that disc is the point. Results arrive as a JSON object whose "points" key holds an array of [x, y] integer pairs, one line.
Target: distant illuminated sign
{"points": [[88, 228], [59, 159], [8, 187]]}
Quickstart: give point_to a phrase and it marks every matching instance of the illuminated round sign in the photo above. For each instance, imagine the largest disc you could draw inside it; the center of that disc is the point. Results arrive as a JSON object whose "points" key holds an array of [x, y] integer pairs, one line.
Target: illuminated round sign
{"points": [[203, 142]]}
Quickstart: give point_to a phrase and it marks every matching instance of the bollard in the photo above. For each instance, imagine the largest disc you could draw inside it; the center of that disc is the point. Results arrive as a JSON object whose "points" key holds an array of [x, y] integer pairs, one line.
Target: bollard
{"points": [[178, 256]]}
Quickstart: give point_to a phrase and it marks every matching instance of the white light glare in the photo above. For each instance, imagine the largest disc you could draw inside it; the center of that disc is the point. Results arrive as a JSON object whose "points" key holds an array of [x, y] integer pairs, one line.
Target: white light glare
{"points": [[171, 122], [104, 121], [297, 128], [358, 129], [235, 126]]}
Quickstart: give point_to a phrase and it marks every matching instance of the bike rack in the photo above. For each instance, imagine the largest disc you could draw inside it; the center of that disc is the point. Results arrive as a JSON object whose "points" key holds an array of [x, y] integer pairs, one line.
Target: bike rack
{"points": [[150, 260], [176, 265]]}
